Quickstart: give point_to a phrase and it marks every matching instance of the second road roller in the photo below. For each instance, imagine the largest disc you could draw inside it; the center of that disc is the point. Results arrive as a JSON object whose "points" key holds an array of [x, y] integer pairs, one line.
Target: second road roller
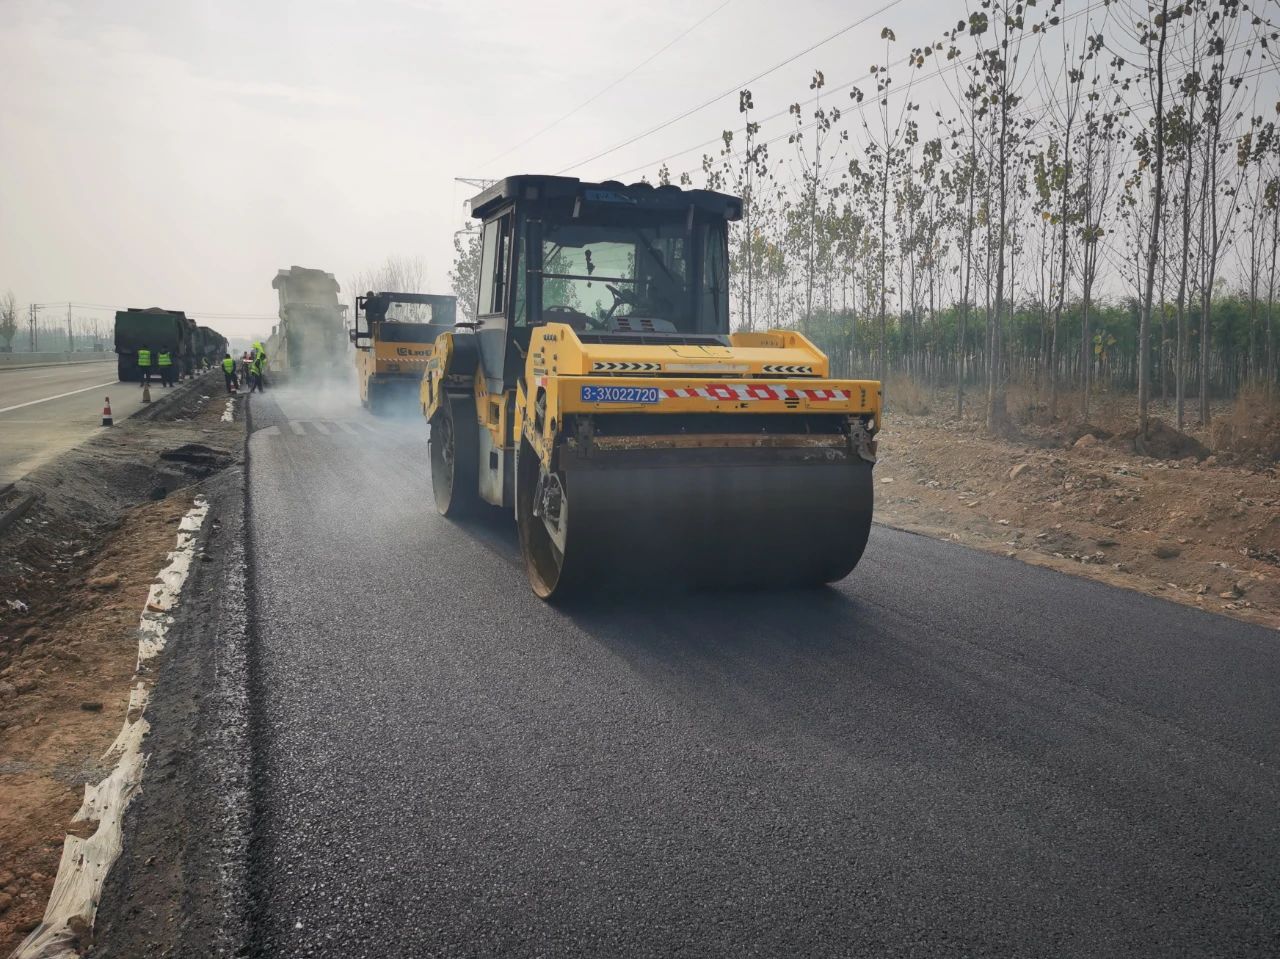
{"points": [[600, 396], [393, 344]]}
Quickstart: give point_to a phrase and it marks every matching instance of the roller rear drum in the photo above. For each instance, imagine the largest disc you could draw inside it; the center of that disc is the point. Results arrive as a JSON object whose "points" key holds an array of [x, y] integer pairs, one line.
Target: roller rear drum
{"points": [[710, 518]]}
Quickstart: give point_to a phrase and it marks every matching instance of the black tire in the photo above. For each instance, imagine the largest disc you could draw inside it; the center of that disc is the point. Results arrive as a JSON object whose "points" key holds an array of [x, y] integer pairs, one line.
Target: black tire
{"points": [[455, 457], [550, 576]]}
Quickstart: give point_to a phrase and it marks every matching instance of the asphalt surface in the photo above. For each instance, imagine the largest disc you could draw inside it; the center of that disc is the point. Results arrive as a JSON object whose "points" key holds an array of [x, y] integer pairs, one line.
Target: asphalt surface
{"points": [[47, 410], [948, 754]]}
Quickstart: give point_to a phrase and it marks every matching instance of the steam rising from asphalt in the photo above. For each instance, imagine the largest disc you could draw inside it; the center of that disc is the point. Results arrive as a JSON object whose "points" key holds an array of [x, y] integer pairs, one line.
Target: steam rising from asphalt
{"points": [[334, 394]]}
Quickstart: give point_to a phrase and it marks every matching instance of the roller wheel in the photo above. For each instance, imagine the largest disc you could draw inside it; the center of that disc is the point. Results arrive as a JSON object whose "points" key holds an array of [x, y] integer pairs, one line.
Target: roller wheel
{"points": [[550, 575], [454, 445]]}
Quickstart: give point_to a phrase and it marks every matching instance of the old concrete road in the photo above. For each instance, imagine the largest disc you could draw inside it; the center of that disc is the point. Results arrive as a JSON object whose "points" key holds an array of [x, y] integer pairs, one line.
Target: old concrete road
{"points": [[949, 754], [47, 410]]}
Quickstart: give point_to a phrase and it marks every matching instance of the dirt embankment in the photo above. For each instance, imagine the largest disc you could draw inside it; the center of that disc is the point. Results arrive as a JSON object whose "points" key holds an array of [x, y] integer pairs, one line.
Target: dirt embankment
{"points": [[1191, 522], [74, 575]]}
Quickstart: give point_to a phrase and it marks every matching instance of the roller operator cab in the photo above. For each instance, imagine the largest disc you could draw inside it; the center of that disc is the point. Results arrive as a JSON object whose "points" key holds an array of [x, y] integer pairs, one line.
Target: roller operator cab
{"points": [[394, 335], [601, 397]]}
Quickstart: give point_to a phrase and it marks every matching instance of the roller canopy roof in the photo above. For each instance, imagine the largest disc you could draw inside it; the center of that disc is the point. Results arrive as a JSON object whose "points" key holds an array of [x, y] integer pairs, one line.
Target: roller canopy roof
{"points": [[640, 196]]}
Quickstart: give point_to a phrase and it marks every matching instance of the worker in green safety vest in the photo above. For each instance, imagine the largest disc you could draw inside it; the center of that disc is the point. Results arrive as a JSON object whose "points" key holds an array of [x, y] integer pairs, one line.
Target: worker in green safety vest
{"points": [[256, 367], [165, 362], [144, 365], [229, 373]]}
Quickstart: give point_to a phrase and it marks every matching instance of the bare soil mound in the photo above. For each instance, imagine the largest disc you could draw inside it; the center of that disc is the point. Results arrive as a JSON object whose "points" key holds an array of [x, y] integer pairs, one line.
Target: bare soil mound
{"points": [[1251, 430], [1162, 442], [1200, 531], [1076, 431]]}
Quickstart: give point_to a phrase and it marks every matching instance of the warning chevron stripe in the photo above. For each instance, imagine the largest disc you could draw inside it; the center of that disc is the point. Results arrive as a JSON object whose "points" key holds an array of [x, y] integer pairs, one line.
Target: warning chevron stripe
{"points": [[785, 368], [747, 393], [602, 366]]}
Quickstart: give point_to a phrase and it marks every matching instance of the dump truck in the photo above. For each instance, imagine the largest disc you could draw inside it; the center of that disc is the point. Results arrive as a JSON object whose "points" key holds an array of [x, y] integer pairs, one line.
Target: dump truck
{"points": [[600, 396], [212, 347], [155, 329], [311, 336], [394, 342]]}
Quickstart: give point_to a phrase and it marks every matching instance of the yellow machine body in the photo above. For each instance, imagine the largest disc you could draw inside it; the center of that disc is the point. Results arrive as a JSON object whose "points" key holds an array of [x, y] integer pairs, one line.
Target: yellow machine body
{"points": [[390, 366], [775, 372]]}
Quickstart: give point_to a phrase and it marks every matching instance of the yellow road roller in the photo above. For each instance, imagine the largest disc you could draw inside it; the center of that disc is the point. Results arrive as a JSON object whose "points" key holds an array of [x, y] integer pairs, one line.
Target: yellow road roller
{"points": [[394, 334], [601, 397]]}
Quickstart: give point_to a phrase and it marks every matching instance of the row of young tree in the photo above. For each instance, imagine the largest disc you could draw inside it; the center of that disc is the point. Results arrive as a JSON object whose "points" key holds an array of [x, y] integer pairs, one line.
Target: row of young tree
{"points": [[1094, 199], [33, 331]]}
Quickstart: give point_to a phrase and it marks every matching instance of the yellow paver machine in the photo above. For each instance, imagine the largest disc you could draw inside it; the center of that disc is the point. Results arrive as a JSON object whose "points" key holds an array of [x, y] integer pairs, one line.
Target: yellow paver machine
{"points": [[600, 396]]}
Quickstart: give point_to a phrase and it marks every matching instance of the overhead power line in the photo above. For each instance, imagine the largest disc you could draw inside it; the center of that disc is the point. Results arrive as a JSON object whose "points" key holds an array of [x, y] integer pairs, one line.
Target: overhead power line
{"points": [[828, 91], [599, 93], [735, 88], [61, 304]]}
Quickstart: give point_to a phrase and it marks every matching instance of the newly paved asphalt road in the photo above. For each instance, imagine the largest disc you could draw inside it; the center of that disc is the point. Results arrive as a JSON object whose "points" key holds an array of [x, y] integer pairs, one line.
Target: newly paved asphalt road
{"points": [[949, 754], [47, 410]]}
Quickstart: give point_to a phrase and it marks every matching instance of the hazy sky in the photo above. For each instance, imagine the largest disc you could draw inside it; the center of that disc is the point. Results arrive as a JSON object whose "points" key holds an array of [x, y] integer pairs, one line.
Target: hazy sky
{"points": [[159, 152], [177, 154]]}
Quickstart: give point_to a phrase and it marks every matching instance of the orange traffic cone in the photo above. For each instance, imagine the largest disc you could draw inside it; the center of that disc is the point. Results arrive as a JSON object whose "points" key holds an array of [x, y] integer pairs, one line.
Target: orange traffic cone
{"points": [[146, 392], [106, 413]]}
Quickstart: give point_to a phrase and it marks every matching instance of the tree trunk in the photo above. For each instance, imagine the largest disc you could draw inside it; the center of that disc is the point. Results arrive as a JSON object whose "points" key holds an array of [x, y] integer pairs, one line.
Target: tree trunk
{"points": [[1144, 328], [884, 276], [1271, 296], [997, 412], [1062, 268]]}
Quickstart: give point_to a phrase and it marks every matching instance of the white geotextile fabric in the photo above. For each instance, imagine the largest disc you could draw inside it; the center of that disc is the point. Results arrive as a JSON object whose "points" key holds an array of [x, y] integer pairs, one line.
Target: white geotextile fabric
{"points": [[73, 904]]}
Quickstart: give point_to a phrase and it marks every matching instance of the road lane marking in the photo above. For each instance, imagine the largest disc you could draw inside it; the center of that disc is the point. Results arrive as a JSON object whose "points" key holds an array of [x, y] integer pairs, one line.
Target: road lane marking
{"points": [[321, 427], [48, 399], [346, 428], [297, 428]]}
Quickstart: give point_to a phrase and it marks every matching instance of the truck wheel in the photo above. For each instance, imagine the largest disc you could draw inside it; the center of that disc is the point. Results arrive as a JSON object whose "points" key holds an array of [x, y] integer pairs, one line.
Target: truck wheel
{"points": [[455, 457]]}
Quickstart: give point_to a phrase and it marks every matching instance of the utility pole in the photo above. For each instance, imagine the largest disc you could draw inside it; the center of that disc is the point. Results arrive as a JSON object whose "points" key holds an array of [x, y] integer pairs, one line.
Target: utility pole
{"points": [[31, 323], [71, 343], [479, 183]]}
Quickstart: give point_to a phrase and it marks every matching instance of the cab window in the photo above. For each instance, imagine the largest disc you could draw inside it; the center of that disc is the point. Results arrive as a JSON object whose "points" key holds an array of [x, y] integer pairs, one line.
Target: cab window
{"points": [[496, 253]]}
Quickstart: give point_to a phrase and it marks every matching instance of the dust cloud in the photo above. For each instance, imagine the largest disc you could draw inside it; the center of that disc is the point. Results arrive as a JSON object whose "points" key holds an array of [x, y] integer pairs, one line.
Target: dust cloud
{"points": [[333, 394]]}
